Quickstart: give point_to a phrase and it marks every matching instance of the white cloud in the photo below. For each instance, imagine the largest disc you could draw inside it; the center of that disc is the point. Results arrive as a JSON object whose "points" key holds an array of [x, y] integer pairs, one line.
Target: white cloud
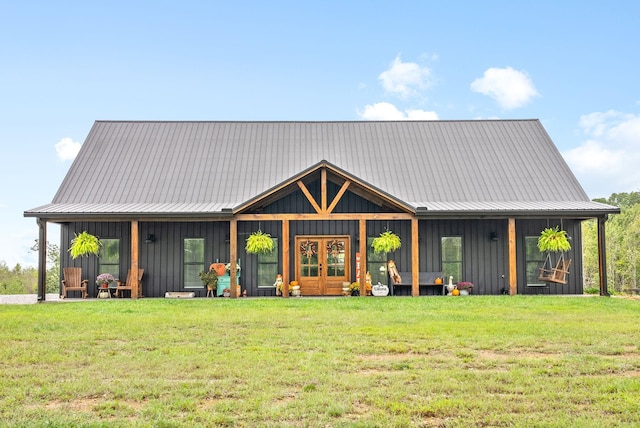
{"points": [[67, 149], [595, 124], [387, 111], [607, 161], [405, 78], [510, 88]]}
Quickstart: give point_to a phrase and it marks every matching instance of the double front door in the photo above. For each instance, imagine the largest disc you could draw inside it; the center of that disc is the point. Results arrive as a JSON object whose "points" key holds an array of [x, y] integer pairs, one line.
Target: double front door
{"points": [[323, 264]]}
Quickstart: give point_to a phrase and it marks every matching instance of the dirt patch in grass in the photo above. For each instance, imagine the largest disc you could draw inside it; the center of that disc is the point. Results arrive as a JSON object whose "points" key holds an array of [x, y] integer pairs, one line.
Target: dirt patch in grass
{"points": [[386, 357], [87, 405]]}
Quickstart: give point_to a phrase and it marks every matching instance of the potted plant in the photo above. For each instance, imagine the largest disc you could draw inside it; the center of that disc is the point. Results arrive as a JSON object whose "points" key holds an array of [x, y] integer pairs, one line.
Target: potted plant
{"points": [[554, 240], [259, 243], [84, 244], [210, 279], [386, 242], [354, 288], [104, 279], [464, 287]]}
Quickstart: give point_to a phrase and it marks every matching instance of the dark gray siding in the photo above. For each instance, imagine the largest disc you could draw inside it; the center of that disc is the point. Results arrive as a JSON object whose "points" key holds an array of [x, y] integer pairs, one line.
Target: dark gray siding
{"points": [[574, 231], [485, 262], [89, 265]]}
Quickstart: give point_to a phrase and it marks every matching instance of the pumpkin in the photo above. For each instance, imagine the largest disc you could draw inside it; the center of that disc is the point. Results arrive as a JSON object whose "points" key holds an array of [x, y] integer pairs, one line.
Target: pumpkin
{"points": [[438, 281], [220, 268], [293, 283], [455, 292]]}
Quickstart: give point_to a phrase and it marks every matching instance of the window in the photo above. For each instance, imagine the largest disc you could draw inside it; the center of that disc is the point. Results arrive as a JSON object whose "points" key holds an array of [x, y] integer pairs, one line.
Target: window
{"points": [[376, 264], [534, 260], [193, 262], [109, 260], [309, 263], [335, 257], [268, 266], [451, 250]]}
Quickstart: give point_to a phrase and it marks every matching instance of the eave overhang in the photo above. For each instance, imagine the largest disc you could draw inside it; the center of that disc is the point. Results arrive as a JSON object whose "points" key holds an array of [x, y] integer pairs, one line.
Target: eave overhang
{"points": [[515, 209]]}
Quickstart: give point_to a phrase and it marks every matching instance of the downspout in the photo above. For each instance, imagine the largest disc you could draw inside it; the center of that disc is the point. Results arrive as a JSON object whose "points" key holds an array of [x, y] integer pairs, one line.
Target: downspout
{"points": [[42, 259], [602, 256]]}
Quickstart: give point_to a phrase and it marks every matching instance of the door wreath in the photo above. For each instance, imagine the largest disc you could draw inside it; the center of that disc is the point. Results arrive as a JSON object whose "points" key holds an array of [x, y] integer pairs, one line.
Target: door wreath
{"points": [[308, 248], [335, 247]]}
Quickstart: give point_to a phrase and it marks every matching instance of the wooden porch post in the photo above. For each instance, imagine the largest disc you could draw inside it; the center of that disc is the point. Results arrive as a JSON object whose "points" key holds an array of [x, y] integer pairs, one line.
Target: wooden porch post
{"points": [[42, 260], [415, 259], [233, 256], [513, 272], [602, 256], [362, 249], [285, 258], [135, 255]]}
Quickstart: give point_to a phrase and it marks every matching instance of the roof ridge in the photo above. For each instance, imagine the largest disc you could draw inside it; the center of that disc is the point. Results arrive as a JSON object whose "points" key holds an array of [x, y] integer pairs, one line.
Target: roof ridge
{"points": [[314, 121]]}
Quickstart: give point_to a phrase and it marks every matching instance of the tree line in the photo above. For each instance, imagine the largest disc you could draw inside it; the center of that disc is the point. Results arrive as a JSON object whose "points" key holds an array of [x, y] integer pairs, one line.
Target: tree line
{"points": [[21, 280], [622, 241], [622, 236]]}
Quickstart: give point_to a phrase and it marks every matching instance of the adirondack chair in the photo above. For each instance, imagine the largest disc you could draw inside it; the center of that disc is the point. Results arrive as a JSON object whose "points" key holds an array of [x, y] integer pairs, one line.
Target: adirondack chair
{"points": [[122, 286], [557, 274], [73, 281]]}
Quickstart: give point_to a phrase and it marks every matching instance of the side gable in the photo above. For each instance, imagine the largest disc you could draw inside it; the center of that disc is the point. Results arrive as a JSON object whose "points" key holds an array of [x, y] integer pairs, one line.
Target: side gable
{"points": [[159, 169]]}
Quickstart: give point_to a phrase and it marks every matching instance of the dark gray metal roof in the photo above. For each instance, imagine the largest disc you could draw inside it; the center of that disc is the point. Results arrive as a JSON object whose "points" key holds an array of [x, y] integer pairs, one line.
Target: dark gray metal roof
{"points": [[476, 166]]}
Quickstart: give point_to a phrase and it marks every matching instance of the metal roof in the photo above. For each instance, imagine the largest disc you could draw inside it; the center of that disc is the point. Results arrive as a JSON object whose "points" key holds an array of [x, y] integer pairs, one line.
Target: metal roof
{"points": [[156, 167]]}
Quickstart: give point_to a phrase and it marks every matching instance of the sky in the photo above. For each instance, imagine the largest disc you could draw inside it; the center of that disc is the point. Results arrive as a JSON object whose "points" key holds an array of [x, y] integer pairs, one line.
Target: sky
{"points": [[574, 65]]}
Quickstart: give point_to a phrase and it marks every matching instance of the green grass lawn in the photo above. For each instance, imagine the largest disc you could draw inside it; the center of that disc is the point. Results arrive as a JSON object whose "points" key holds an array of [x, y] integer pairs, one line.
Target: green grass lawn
{"points": [[366, 362]]}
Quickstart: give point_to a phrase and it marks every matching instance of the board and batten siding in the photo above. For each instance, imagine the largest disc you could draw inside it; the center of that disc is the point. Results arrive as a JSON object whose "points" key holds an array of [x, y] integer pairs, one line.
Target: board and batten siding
{"points": [[485, 261]]}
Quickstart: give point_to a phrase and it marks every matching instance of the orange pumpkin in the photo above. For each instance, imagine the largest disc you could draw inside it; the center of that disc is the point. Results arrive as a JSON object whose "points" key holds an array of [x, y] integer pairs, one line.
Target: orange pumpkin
{"points": [[293, 283], [438, 281], [220, 268], [455, 292]]}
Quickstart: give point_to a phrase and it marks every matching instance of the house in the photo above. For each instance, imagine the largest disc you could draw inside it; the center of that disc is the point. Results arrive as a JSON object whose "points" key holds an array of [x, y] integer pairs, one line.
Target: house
{"points": [[468, 198]]}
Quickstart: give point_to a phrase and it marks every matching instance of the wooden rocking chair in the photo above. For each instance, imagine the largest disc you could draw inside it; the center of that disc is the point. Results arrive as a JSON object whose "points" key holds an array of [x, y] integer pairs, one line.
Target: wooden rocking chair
{"points": [[557, 274], [73, 281], [122, 286]]}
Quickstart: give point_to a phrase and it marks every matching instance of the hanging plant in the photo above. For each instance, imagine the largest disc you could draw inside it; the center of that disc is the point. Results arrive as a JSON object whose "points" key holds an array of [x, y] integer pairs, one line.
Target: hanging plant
{"points": [[259, 243], [552, 239], [84, 244], [386, 242]]}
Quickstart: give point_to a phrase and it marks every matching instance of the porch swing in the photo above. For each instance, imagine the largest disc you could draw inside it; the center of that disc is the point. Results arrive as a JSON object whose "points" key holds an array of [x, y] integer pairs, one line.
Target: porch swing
{"points": [[554, 240], [557, 274]]}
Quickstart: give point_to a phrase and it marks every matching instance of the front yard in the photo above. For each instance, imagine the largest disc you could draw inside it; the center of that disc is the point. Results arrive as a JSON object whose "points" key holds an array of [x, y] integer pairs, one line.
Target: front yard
{"points": [[428, 361]]}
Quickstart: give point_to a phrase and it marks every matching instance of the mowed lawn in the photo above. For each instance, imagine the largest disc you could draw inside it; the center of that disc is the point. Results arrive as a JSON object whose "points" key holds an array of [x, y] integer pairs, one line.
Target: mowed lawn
{"points": [[336, 362]]}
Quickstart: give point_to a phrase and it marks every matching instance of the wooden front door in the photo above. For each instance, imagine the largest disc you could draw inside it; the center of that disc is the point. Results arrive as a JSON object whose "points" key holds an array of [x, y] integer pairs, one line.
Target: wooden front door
{"points": [[322, 264]]}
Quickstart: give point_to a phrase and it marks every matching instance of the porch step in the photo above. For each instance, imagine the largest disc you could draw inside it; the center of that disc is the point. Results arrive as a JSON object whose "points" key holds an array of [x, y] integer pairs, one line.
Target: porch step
{"points": [[179, 295]]}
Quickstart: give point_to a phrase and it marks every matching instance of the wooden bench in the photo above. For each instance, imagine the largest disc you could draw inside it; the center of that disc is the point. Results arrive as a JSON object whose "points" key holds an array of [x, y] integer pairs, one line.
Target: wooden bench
{"points": [[426, 281]]}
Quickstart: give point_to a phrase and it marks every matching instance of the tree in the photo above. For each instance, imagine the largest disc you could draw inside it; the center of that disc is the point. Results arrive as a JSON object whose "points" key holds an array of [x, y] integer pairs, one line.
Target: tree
{"points": [[17, 280], [623, 238], [53, 267]]}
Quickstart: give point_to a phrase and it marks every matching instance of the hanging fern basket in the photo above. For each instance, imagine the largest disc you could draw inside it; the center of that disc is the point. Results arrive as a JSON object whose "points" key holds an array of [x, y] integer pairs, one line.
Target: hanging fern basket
{"points": [[553, 240], [84, 244], [386, 242], [259, 243]]}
